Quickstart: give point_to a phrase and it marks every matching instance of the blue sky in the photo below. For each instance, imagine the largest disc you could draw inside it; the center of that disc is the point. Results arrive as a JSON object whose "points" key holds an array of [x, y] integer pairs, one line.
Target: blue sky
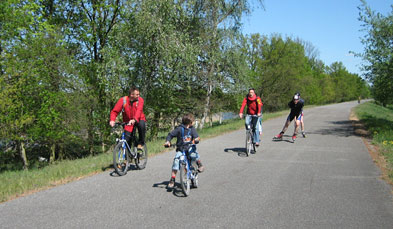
{"points": [[331, 26]]}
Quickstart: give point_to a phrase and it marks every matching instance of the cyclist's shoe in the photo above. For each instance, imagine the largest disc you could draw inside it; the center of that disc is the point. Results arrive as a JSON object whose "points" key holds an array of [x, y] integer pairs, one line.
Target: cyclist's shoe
{"points": [[200, 166], [171, 183], [304, 134], [278, 136], [294, 137]]}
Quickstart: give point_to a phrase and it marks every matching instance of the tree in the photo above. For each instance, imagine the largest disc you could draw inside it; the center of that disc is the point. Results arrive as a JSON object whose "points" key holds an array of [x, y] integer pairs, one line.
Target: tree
{"points": [[162, 55], [378, 53], [218, 17], [18, 80], [33, 80], [276, 66], [89, 25]]}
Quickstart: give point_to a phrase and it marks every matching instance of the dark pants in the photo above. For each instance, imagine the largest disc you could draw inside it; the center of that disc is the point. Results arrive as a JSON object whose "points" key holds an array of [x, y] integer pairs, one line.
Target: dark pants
{"points": [[141, 126], [142, 132]]}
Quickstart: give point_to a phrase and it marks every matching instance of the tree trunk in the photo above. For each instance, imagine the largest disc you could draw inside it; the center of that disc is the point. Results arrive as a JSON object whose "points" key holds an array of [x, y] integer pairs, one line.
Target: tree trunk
{"points": [[103, 146], [90, 132], [205, 112], [155, 125], [173, 123], [52, 155], [61, 152], [213, 48], [22, 153], [207, 105]]}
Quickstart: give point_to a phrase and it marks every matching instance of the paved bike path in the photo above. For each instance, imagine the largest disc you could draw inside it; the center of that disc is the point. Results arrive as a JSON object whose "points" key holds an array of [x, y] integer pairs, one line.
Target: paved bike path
{"points": [[327, 180]]}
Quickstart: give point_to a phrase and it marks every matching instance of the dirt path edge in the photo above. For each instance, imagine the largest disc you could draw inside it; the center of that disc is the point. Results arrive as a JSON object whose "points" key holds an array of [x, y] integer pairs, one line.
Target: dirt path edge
{"points": [[373, 150]]}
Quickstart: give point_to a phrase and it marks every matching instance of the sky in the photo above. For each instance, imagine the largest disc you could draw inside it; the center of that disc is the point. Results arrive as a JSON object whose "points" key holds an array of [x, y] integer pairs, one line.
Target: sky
{"points": [[331, 26]]}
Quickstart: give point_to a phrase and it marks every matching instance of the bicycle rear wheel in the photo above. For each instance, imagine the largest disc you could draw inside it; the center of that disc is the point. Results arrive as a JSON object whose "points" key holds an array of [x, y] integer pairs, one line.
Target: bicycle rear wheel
{"points": [[249, 145], [185, 182], [141, 159], [121, 159]]}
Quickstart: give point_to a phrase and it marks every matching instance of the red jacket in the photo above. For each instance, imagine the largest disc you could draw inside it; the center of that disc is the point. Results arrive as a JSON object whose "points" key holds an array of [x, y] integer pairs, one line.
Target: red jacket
{"points": [[254, 105], [132, 110]]}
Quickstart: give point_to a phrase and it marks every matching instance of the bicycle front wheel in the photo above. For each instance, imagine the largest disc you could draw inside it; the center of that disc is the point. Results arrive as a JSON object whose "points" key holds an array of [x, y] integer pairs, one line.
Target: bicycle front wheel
{"points": [[249, 145], [141, 158], [121, 159], [185, 182]]}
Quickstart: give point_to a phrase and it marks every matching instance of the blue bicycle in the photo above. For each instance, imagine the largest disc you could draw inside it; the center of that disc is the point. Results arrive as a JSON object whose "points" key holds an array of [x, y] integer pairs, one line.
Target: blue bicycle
{"points": [[124, 153], [188, 171]]}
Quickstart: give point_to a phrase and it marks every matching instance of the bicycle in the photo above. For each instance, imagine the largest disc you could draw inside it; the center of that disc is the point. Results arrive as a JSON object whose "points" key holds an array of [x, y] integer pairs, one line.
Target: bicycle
{"points": [[188, 170], [124, 153], [250, 131]]}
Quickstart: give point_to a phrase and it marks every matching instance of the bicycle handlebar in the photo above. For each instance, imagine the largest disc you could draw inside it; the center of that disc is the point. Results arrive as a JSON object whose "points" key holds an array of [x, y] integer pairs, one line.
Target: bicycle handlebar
{"points": [[253, 115], [173, 146], [122, 124]]}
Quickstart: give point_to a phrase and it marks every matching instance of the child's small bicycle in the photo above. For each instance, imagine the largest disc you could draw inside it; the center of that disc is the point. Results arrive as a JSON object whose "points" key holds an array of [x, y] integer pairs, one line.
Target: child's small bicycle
{"points": [[188, 170], [124, 153]]}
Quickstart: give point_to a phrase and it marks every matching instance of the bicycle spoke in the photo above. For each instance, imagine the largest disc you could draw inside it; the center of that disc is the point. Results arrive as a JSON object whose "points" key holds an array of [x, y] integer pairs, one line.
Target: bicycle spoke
{"points": [[120, 159]]}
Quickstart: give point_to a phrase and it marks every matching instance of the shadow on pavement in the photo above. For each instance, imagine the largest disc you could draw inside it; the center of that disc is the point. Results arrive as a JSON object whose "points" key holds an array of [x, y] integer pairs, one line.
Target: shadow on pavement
{"points": [[163, 184], [241, 152], [176, 190], [345, 128], [285, 138], [114, 174]]}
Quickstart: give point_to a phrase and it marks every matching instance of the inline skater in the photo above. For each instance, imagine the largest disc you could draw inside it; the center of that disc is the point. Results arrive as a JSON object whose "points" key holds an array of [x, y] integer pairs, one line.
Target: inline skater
{"points": [[296, 105]]}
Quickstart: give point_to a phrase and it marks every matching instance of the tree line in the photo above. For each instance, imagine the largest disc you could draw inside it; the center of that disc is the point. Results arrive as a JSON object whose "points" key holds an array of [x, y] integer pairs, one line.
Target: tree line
{"points": [[377, 54], [64, 64]]}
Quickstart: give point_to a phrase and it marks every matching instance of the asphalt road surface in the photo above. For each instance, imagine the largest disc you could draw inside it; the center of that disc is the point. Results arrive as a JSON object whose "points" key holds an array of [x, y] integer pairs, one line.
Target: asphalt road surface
{"points": [[327, 180]]}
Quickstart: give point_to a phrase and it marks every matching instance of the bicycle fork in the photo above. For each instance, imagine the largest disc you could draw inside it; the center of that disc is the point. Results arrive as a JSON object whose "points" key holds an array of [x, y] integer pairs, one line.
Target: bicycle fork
{"points": [[187, 166]]}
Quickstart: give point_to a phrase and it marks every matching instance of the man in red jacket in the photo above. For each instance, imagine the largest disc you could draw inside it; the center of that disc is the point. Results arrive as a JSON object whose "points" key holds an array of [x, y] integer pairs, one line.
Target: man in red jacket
{"points": [[132, 109], [254, 107]]}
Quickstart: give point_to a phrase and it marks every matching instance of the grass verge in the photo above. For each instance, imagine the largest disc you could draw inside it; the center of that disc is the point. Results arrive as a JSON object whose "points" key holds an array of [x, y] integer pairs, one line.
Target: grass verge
{"points": [[379, 122], [19, 183]]}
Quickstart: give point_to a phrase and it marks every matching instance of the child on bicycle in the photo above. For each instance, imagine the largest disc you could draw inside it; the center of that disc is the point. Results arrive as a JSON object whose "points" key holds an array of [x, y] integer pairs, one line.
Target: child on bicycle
{"points": [[185, 134]]}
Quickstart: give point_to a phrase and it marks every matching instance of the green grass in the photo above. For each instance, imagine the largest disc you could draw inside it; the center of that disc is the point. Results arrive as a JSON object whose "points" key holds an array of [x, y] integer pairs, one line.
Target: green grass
{"points": [[18, 183], [379, 122]]}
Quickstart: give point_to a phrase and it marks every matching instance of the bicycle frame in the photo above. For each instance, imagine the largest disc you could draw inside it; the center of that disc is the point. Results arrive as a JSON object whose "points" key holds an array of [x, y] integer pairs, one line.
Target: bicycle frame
{"points": [[251, 125], [250, 132], [125, 153], [125, 145], [184, 159], [188, 174]]}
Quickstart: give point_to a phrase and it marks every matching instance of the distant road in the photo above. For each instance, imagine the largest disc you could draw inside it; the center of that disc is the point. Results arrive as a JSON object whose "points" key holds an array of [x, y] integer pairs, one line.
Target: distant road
{"points": [[327, 180]]}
